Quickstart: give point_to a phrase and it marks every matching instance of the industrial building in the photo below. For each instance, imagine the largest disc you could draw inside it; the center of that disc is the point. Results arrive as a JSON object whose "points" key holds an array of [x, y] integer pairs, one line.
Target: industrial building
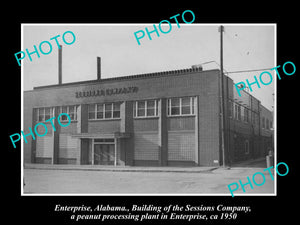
{"points": [[169, 118]]}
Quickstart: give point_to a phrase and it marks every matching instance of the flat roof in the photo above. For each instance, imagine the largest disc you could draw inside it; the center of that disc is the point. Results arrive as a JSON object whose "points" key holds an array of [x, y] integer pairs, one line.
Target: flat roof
{"points": [[137, 76]]}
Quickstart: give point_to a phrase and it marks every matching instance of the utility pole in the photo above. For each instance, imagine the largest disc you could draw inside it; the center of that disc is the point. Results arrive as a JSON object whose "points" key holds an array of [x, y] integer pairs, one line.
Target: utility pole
{"points": [[223, 122]]}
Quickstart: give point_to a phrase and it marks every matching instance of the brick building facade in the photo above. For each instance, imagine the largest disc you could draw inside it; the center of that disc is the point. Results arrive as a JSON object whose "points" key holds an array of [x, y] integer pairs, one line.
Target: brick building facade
{"points": [[169, 118]]}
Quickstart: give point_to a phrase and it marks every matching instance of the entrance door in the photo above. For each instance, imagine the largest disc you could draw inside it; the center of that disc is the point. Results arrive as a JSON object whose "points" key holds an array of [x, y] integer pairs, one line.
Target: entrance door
{"points": [[104, 154]]}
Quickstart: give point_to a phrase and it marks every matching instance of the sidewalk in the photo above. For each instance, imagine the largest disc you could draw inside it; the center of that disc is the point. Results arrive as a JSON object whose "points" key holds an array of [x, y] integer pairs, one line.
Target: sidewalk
{"points": [[252, 163], [201, 169]]}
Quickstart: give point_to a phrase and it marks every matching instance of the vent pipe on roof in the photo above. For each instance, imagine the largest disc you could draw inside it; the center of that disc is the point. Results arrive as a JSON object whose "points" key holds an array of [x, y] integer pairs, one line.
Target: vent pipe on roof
{"points": [[198, 67], [98, 68], [60, 65]]}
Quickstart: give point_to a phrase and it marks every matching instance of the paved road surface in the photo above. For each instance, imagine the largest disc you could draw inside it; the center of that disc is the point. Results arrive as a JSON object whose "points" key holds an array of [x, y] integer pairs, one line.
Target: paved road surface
{"points": [[111, 182]]}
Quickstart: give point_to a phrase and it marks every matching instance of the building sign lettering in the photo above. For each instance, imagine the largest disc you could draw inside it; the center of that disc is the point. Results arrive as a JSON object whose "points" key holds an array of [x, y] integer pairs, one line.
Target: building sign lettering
{"points": [[106, 92]]}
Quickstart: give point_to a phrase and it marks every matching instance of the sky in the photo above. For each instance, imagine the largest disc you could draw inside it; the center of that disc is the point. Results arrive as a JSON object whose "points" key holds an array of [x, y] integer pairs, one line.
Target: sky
{"points": [[246, 47]]}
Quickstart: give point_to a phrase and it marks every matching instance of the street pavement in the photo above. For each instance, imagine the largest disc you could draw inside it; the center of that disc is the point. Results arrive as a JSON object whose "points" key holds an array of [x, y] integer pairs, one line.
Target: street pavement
{"points": [[134, 181]]}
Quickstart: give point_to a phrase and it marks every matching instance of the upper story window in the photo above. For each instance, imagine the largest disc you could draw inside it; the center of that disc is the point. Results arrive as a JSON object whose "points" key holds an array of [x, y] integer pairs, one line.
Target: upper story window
{"points": [[246, 115], [45, 113], [174, 106], [230, 109], [108, 110], [147, 108], [253, 115], [237, 112], [263, 122], [104, 111], [181, 106], [71, 110]]}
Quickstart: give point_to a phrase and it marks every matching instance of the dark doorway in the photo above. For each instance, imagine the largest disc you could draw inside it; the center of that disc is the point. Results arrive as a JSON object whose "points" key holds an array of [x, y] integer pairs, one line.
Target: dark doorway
{"points": [[84, 160], [104, 154]]}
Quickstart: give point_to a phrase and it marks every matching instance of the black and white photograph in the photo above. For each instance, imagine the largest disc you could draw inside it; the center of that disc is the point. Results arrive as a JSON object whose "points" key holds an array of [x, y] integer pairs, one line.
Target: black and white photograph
{"points": [[111, 116], [166, 117]]}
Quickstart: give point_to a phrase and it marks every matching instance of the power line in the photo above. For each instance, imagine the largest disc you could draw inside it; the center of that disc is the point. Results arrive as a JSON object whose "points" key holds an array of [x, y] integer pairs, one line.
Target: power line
{"points": [[240, 71], [244, 71]]}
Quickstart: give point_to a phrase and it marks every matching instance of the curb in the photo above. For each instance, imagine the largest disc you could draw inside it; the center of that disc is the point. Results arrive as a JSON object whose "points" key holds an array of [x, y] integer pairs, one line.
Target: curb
{"points": [[125, 169]]}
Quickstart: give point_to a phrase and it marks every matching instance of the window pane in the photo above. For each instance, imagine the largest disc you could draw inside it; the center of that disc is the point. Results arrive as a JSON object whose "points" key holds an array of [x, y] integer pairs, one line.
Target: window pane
{"points": [[99, 111], [72, 112], [108, 110], [150, 112], [186, 101], [175, 106], [91, 115], [91, 109], [186, 105], [100, 115], [175, 102], [104, 140], [175, 111], [72, 109], [116, 112], [64, 109], [141, 112], [99, 107], [141, 105], [47, 113], [141, 109], [151, 108], [63, 118], [41, 114], [150, 103], [185, 110], [117, 106]]}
